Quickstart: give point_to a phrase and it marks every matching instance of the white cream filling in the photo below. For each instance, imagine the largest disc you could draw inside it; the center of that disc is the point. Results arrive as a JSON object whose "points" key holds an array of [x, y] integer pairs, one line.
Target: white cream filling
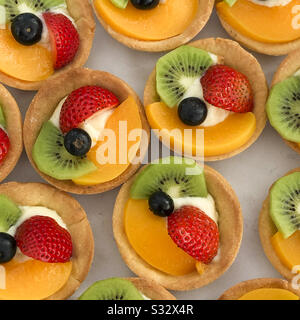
{"points": [[271, 3]]}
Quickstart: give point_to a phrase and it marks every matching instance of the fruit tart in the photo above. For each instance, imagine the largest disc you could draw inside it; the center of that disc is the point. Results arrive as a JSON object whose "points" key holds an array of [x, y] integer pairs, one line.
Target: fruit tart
{"points": [[126, 289], [283, 105], [153, 25], [211, 87], [267, 26], [178, 224], [85, 132], [46, 243], [11, 142], [262, 289], [42, 39], [279, 224]]}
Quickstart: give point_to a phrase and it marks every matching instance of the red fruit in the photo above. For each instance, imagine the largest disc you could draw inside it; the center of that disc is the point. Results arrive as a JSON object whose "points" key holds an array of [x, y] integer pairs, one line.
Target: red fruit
{"points": [[4, 144], [64, 38], [42, 238], [194, 232], [83, 103], [228, 89]]}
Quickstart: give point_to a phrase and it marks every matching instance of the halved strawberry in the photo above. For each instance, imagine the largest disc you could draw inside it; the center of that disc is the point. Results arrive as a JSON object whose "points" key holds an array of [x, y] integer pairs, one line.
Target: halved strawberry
{"points": [[228, 89], [4, 144], [64, 38], [83, 103], [194, 232]]}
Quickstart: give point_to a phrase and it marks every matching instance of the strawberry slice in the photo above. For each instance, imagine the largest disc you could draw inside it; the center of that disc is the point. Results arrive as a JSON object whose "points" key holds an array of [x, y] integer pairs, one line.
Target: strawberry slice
{"points": [[83, 103], [64, 38], [42, 238], [228, 89], [194, 232], [4, 144]]}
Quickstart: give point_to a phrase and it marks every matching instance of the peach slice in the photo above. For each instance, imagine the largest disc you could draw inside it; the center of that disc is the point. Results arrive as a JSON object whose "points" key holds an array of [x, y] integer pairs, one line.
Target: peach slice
{"points": [[269, 294], [272, 25], [167, 20], [222, 138], [32, 63], [33, 280], [127, 112], [148, 235], [287, 250]]}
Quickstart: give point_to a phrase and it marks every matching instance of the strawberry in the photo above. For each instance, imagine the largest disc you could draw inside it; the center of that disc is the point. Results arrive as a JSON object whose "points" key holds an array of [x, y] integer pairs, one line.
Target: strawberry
{"points": [[228, 89], [64, 38], [83, 103], [4, 144], [194, 232], [42, 238]]}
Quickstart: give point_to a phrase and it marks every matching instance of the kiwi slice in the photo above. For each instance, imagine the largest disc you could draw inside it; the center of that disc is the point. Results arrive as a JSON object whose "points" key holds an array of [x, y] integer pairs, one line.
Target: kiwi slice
{"points": [[16, 7], [2, 118], [112, 289], [230, 2], [177, 71], [9, 213], [285, 204], [52, 158], [178, 177], [283, 108], [122, 4]]}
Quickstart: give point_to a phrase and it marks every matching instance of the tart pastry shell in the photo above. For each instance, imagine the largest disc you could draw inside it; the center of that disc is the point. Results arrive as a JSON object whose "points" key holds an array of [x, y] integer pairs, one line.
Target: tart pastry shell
{"points": [[241, 60], [230, 229]]}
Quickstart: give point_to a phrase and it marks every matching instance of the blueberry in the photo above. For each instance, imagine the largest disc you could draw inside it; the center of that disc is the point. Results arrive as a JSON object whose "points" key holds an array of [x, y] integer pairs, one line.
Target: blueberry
{"points": [[145, 4], [192, 111], [27, 29], [161, 204], [77, 142], [8, 247]]}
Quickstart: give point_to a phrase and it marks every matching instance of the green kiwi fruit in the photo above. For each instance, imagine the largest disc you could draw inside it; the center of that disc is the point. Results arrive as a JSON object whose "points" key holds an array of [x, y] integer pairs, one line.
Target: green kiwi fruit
{"points": [[16, 7], [177, 71], [178, 177], [52, 158], [285, 204], [2, 118], [122, 4], [283, 108], [112, 289], [9, 213], [230, 2]]}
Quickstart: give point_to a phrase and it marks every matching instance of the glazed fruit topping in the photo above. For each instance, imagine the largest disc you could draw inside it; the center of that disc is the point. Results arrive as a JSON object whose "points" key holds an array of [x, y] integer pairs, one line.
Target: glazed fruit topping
{"points": [[194, 232], [226, 88], [145, 4], [43, 239], [27, 29], [192, 111], [64, 38], [161, 204], [8, 247], [83, 103], [77, 142], [4, 144]]}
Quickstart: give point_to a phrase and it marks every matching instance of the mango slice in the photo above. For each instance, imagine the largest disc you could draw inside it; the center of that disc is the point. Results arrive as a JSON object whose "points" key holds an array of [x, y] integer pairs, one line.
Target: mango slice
{"points": [[265, 24], [222, 138], [128, 112], [148, 235], [288, 250], [269, 294], [32, 63], [33, 280], [167, 20]]}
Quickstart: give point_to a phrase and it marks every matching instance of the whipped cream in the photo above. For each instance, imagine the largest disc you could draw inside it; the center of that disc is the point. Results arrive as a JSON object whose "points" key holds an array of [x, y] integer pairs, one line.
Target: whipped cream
{"points": [[271, 3]]}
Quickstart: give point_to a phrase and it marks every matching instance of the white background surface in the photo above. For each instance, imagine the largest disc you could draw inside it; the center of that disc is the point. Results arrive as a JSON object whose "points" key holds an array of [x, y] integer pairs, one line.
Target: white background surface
{"points": [[250, 173]]}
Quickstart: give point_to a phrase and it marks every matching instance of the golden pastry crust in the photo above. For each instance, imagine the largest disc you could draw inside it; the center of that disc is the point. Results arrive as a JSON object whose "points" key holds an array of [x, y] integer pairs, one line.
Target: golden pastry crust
{"points": [[82, 13], [14, 128], [267, 229], [238, 58], [242, 288], [286, 69], [203, 14], [272, 49], [151, 289], [73, 215], [230, 229], [46, 101]]}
